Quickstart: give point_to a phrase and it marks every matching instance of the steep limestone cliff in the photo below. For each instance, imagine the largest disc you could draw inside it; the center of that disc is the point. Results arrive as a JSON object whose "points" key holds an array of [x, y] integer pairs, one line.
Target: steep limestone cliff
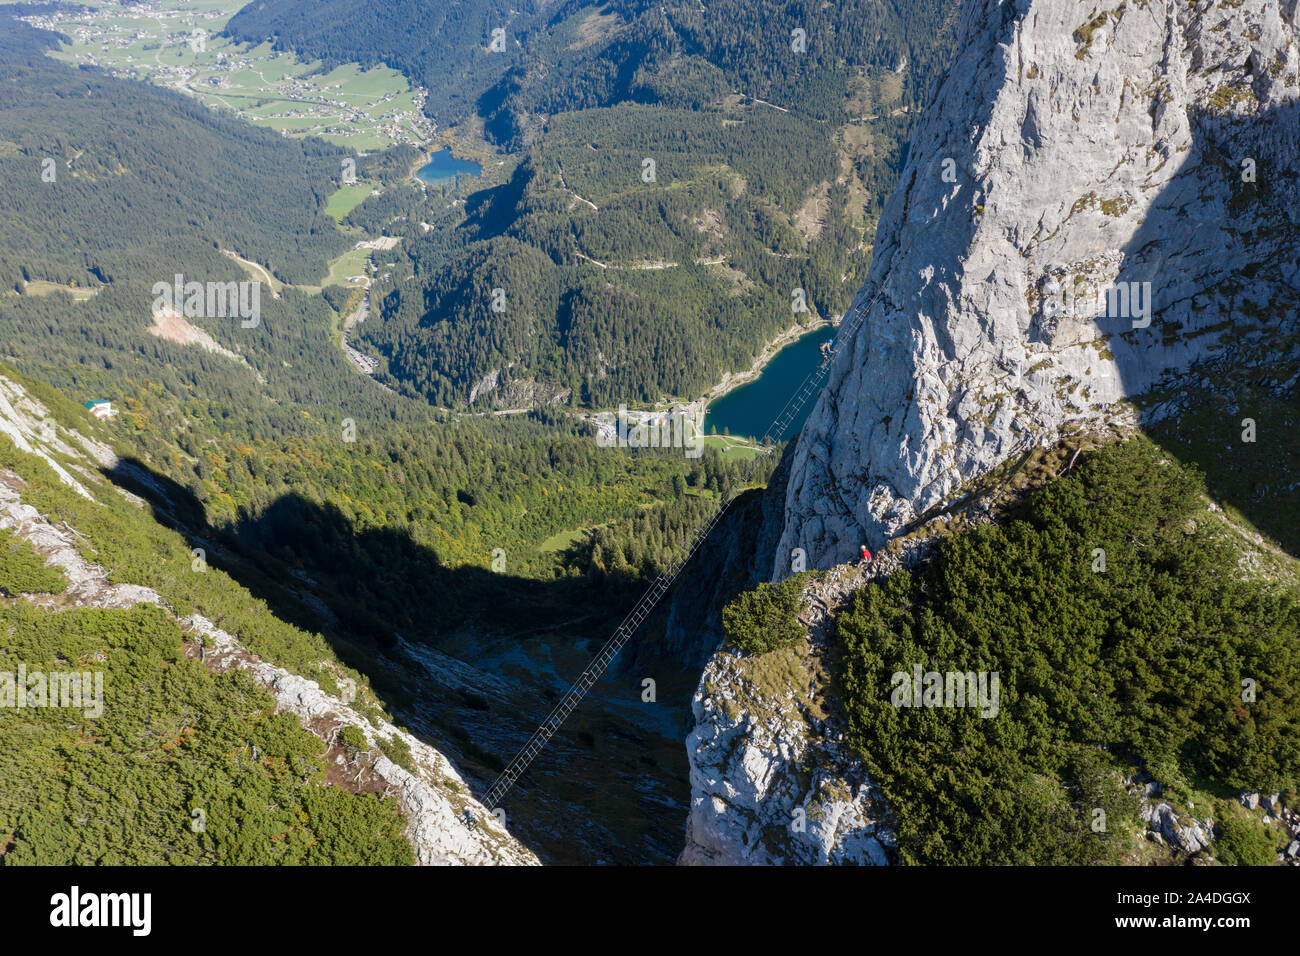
{"points": [[1097, 199]]}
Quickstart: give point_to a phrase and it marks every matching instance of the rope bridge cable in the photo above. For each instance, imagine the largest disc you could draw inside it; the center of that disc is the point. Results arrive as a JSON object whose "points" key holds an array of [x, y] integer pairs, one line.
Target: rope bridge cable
{"points": [[646, 604]]}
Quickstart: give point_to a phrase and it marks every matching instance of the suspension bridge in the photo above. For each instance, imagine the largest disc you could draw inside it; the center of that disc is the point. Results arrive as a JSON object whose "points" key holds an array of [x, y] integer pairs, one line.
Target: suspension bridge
{"points": [[627, 629]]}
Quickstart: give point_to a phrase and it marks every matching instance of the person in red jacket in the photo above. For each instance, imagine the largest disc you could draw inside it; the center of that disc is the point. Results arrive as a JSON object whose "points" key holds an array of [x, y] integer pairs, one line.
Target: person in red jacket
{"points": [[866, 555]]}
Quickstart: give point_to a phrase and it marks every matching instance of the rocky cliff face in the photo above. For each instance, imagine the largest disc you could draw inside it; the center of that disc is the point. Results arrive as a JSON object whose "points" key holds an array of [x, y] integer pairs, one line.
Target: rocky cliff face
{"points": [[773, 780], [1098, 198]]}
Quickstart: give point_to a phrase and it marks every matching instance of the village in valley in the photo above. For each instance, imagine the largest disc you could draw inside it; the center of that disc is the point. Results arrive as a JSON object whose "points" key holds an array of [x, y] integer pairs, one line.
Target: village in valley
{"points": [[177, 44]]}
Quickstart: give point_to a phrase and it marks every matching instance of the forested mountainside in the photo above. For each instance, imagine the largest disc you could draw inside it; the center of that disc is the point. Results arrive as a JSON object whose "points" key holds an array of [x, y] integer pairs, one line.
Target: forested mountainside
{"points": [[207, 729], [657, 291], [110, 177], [576, 54], [241, 430], [798, 55], [680, 189], [442, 46]]}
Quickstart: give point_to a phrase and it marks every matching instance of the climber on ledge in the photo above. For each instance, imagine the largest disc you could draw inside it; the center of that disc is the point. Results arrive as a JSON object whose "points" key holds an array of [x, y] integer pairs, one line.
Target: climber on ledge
{"points": [[866, 556], [469, 819], [827, 348]]}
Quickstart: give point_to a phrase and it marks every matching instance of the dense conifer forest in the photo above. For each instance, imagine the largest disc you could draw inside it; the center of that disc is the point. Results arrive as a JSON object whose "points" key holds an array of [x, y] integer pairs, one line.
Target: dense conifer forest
{"points": [[679, 187]]}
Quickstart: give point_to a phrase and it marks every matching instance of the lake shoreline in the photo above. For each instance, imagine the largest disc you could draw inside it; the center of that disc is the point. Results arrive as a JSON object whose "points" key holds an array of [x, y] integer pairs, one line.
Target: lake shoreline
{"points": [[734, 380], [745, 403], [456, 167], [731, 381], [419, 164]]}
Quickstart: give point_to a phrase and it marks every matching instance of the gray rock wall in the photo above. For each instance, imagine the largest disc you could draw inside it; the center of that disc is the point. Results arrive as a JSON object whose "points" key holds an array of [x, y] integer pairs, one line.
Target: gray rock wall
{"points": [[1070, 150]]}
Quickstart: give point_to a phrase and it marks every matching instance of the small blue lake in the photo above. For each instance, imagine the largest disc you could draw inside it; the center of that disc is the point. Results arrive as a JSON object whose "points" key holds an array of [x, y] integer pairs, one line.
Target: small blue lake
{"points": [[443, 167], [748, 411]]}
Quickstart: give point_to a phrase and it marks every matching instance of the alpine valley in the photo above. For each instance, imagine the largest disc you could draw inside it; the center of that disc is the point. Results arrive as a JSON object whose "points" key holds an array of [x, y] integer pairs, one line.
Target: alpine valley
{"points": [[308, 457]]}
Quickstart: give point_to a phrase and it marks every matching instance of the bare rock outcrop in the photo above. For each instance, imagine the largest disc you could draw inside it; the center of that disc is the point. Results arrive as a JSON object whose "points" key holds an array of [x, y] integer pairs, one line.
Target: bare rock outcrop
{"points": [[1097, 199], [773, 779], [433, 799]]}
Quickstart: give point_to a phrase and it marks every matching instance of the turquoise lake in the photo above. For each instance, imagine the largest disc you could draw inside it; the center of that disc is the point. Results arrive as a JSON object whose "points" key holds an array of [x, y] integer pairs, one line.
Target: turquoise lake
{"points": [[444, 167], [748, 411]]}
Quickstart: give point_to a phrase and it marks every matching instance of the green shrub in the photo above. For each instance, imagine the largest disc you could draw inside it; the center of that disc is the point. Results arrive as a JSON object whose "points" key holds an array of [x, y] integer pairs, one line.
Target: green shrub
{"points": [[1243, 841], [399, 752], [765, 618], [180, 765], [353, 738], [1147, 657], [23, 571]]}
